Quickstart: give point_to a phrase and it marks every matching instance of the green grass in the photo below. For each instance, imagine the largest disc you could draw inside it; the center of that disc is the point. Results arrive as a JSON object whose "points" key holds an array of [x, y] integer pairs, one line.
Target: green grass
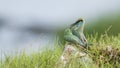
{"points": [[48, 58], [103, 22]]}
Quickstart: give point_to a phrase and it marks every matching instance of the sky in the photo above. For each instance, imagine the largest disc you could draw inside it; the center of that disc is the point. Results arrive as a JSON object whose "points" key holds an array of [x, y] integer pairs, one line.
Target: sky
{"points": [[53, 12]]}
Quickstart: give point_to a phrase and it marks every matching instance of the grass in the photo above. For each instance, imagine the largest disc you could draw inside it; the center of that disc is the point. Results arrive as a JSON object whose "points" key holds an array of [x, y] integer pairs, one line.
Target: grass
{"points": [[104, 21], [102, 58]]}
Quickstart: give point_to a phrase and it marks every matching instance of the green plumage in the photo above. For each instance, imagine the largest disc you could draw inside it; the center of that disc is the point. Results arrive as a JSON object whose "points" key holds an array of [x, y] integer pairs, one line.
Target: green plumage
{"points": [[74, 34], [68, 36]]}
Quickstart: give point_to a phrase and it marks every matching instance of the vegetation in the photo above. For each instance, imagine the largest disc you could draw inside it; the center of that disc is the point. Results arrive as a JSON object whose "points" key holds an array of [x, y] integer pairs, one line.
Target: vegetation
{"points": [[101, 56], [103, 22]]}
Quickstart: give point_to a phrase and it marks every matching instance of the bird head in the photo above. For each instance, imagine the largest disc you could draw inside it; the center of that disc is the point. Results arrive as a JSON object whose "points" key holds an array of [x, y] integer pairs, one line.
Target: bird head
{"points": [[79, 24]]}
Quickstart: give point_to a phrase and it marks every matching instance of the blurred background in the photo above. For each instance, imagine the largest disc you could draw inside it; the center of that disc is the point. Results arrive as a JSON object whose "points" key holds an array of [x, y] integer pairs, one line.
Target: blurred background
{"points": [[26, 24]]}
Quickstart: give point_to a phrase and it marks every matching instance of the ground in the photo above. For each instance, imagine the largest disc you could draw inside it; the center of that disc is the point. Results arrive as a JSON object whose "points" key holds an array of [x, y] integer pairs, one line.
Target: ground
{"points": [[105, 53]]}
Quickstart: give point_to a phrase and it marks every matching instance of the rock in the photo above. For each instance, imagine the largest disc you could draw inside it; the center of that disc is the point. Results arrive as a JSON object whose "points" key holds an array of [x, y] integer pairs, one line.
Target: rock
{"points": [[74, 54]]}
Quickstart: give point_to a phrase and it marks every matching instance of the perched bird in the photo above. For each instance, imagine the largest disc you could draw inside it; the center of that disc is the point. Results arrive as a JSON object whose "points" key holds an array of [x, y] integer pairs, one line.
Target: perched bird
{"points": [[77, 29], [74, 33], [68, 36]]}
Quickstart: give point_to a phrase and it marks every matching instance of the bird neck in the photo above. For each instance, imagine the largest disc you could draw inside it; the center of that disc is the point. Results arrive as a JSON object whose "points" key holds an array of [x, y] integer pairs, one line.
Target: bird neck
{"points": [[81, 29]]}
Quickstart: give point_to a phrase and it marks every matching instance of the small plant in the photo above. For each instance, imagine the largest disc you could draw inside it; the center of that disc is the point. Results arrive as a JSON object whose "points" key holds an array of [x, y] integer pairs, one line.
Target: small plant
{"points": [[105, 53]]}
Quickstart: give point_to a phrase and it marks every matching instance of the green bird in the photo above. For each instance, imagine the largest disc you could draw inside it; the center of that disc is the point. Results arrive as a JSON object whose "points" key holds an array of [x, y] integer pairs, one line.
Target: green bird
{"points": [[68, 36], [77, 29], [74, 34]]}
